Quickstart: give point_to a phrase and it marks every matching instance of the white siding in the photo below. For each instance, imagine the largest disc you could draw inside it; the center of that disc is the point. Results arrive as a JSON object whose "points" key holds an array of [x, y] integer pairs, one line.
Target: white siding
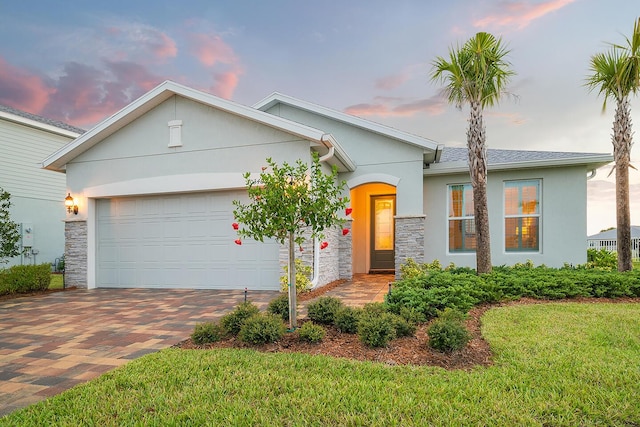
{"points": [[23, 148]]}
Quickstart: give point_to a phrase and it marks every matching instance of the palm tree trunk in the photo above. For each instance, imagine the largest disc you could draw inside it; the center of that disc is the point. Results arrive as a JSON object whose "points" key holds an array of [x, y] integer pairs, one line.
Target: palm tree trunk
{"points": [[478, 171], [622, 142]]}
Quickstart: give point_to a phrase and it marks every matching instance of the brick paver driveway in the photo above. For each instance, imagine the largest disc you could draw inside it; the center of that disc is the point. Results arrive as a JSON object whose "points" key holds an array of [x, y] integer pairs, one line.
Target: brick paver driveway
{"points": [[49, 343]]}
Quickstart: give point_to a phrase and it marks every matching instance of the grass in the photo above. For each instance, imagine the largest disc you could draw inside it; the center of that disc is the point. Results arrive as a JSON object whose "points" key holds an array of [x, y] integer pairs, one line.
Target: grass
{"points": [[56, 281], [556, 364]]}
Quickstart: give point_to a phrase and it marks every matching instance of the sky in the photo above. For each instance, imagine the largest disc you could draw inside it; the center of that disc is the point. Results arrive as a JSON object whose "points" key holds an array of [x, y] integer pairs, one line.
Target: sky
{"points": [[79, 62]]}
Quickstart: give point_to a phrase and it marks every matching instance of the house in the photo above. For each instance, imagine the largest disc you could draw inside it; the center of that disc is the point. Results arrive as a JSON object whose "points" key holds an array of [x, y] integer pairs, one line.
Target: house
{"points": [[36, 194], [608, 240], [154, 185]]}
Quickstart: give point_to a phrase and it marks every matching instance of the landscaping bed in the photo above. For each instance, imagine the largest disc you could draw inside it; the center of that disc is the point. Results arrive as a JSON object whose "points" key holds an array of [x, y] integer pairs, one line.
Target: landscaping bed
{"points": [[401, 351]]}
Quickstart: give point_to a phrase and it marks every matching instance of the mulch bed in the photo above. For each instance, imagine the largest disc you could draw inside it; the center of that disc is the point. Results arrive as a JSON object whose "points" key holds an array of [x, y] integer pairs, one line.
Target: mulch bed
{"points": [[402, 351]]}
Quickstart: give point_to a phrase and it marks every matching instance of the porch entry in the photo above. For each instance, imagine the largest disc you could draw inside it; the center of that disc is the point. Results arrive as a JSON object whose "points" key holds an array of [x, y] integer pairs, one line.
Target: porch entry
{"points": [[382, 253]]}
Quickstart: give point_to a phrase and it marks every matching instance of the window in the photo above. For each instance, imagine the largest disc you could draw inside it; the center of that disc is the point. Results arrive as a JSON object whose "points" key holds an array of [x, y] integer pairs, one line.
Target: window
{"points": [[522, 215], [462, 228]]}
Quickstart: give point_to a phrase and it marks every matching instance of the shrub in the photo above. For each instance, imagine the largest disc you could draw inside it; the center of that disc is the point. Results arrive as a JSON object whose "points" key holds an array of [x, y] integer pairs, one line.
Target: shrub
{"points": [[303, 277], [452, 315], [324, 309], [375, 308], [279, 306], [403, 328], [448, 333], [376, 330], [25, 278], [262, 329], [311, 333], [602, 259], [346, 319], [232, 322], [412, 315], [208, 332]]}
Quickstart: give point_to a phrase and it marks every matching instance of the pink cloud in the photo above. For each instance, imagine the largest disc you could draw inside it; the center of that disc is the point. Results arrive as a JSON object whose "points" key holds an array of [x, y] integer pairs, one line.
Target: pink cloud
{"points": [[389, 107], [211, 49], [21, 89], [225, 84], [512, 118], [85, 95], [139, 41], [519, 14], [392, 81]]}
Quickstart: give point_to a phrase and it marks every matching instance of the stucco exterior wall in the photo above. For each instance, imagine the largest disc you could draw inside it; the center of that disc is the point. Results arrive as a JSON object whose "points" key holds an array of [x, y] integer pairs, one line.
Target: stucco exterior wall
{"points": [[563, 222], [372, 153], [213, 141]]}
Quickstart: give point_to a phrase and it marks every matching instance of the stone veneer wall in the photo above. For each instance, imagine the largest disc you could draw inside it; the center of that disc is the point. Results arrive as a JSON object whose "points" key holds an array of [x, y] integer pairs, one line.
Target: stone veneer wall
{"points": [[409, 240], [75, 254], [335, 259], [346, 252]]}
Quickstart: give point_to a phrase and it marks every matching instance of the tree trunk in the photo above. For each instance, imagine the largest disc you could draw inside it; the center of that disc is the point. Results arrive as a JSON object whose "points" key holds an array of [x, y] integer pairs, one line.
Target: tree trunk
{"points": [[622, 141], [293, 304], [478, 172]]}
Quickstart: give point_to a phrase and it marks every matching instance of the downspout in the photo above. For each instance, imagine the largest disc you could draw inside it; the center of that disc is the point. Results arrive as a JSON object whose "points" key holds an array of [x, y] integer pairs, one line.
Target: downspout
{"points": [[316, 244]]}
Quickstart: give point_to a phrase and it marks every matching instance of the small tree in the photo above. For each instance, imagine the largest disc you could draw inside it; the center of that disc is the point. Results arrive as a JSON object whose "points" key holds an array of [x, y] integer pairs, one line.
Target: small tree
{"points": [[9, 234], [290, 203]]}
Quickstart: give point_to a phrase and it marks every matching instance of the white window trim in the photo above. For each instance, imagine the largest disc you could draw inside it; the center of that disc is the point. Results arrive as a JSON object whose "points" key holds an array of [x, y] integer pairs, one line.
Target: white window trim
{"points": [[538, 215], [448, 218]]}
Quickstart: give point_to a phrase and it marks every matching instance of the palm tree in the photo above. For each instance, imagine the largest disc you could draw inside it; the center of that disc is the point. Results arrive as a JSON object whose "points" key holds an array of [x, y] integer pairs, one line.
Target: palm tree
{"points": [[616, 75], [476, 74]]}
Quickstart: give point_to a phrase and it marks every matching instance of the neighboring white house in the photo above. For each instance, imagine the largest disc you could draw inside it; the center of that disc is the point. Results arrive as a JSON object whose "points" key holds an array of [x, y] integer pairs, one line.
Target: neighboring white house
{"points": [[609, 240], [37, 195], [154, 185]]}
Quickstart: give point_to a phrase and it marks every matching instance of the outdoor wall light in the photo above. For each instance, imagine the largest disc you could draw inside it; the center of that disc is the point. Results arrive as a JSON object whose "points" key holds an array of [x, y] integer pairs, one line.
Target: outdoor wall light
{"points": [[70, 204]]}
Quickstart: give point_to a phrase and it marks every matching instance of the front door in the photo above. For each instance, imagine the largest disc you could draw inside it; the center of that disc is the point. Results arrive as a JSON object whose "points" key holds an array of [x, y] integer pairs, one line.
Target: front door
{"points": [[383, 209]]}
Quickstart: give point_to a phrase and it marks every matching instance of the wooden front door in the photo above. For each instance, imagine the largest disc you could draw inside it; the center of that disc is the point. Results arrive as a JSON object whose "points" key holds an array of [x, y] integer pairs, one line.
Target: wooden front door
{"points": [[383, 210]]}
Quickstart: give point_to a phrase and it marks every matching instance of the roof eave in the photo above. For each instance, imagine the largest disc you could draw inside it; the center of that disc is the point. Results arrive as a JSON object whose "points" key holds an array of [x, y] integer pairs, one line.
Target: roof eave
{"points": [[38, 125], [276, 98], [592, 162]]}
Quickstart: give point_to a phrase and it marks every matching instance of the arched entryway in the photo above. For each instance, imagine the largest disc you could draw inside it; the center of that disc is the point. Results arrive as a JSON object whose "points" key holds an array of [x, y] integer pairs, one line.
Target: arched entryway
{"points": [[373, 228]]}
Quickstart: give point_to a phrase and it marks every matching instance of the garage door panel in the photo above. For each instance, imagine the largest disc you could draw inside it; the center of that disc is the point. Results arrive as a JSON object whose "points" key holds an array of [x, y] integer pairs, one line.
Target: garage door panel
{"points": [[179, 241]]}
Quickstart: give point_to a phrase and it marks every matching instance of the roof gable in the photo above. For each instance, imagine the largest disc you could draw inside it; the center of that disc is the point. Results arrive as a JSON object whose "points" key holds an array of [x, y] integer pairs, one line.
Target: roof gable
{"points": [[408, 138], [166, 90]]}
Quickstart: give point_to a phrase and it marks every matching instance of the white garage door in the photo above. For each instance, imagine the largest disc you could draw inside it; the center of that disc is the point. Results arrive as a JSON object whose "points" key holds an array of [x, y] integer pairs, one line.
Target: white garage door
{"points": [[179, 241]]}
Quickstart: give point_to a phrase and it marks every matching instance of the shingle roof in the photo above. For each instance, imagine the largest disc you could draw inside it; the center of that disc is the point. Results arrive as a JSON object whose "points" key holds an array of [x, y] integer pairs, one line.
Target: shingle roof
{"points": [[41, 119], [496, 156], [612, 234]]}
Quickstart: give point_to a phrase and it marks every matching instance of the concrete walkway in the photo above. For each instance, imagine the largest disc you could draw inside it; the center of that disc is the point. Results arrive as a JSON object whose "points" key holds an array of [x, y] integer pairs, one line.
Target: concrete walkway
{"points": [[49, 343]]}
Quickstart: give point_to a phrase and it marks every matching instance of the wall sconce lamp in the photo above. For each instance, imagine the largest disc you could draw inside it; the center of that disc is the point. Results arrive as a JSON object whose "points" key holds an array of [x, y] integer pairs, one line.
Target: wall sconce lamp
{"points": [[70, 204]]}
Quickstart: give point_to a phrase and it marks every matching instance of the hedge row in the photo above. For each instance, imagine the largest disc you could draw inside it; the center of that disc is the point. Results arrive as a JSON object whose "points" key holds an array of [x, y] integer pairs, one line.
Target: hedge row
{"points": [[25, 278], [432, 290]]}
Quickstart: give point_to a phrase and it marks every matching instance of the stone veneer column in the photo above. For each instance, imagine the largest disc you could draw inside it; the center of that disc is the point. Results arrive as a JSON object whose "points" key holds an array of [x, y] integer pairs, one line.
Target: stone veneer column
{"points": [[346, 250], [75, 253], [409, 240]]}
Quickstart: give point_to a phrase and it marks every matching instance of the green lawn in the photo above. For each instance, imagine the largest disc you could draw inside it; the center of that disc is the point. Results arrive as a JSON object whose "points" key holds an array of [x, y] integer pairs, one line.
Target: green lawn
{"points": [[56, 281], [556, 364]]}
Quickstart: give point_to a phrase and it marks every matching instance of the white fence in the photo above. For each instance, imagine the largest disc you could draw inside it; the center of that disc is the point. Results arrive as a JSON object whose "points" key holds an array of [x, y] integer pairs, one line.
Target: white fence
{"points": [[612, 246]]}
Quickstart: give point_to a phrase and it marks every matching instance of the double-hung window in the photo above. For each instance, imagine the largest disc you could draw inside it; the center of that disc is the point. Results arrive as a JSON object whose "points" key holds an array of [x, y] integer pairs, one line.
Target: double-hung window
{"points": [[522, 215], [462, 228]]}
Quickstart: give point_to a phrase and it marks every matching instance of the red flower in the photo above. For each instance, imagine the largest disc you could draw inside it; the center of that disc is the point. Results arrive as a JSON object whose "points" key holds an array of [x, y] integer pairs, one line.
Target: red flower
{"points": [[323, 245], [264, 168], [345, 231], [348, 211], [235, 225], [238, 242], [301, 249]]}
